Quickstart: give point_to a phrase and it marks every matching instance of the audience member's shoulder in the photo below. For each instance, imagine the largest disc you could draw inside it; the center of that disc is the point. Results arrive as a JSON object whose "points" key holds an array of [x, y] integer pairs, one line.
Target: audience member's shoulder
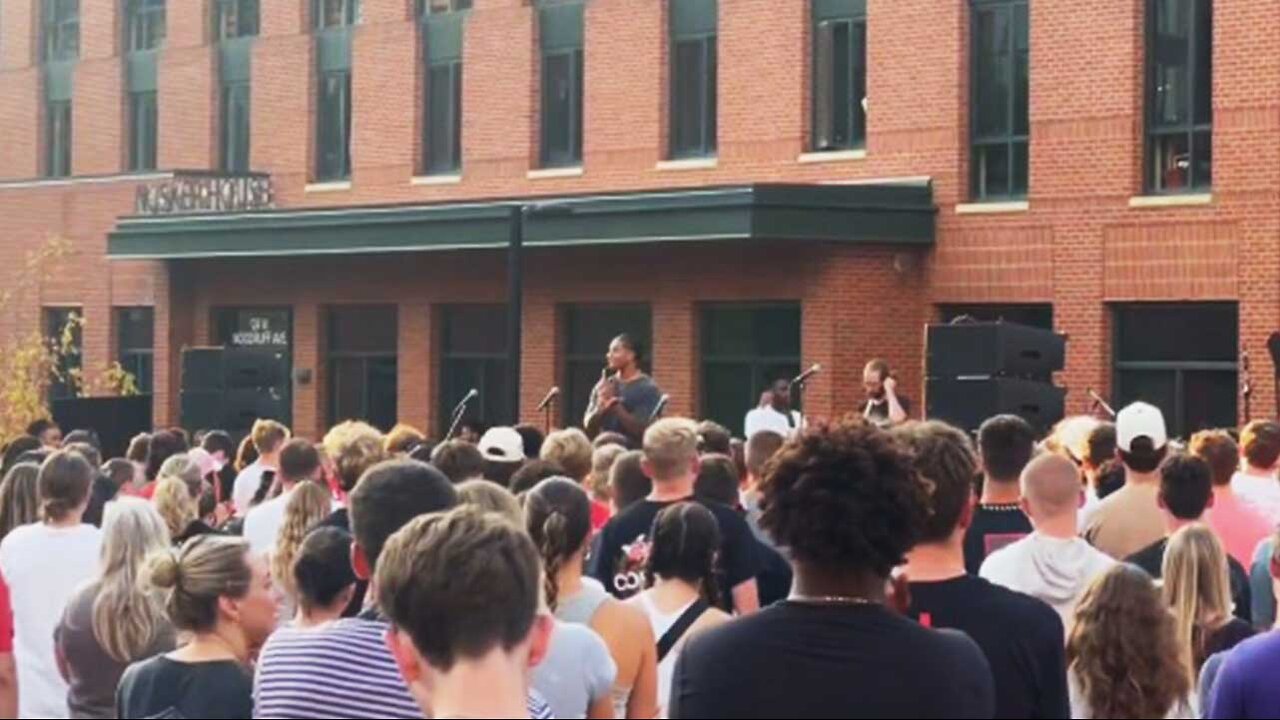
{"points": [[1028, 611], [625, 615]]}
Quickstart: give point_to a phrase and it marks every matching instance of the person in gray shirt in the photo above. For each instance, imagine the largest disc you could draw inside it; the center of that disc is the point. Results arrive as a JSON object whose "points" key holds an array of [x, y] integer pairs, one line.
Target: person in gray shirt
{"points": [[625, 398]]}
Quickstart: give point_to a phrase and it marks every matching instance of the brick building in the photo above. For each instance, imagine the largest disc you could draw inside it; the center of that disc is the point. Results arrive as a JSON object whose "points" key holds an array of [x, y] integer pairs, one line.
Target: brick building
{"points": [[752, 185]]}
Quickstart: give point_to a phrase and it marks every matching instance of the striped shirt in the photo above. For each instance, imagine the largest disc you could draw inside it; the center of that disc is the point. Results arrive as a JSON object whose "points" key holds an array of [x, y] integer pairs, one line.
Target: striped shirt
{"points": [[341, 670]]}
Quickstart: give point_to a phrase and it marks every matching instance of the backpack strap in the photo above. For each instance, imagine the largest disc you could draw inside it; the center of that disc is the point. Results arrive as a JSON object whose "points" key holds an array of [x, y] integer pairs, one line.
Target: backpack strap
{"points": [[681, 626]]}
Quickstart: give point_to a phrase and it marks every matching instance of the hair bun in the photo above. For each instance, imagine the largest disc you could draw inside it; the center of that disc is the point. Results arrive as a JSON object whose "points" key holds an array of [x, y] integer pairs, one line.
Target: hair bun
{"points": [[163, 570]]}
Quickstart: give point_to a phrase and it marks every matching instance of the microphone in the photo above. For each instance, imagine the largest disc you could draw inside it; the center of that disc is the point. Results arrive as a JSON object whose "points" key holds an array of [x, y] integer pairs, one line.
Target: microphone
{"points": [[472, 395], [803, 377], [551, 395], [657, 409], [1099, 402]]}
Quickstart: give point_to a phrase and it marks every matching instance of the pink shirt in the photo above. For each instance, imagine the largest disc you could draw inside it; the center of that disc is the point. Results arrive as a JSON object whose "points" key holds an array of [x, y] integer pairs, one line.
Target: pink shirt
{"points": [[1238, 525]]}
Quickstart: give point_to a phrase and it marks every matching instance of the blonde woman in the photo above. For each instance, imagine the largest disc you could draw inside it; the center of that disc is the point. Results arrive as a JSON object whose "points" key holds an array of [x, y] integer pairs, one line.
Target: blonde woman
{"points": [[571, 450], [19, 498], [308, 505], [111, 622], [219, 593], [491, 497], [1197, 588], [173, 501]]}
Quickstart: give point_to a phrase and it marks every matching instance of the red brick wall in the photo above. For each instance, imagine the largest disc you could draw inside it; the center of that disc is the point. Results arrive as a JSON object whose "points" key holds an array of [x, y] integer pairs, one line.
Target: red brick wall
{"points": [[1079, 245]]}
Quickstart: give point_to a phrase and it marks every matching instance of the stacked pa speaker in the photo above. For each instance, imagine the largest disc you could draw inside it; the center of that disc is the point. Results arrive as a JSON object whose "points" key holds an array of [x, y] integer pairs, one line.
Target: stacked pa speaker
{"points": [[229, 388], [976, 370]]}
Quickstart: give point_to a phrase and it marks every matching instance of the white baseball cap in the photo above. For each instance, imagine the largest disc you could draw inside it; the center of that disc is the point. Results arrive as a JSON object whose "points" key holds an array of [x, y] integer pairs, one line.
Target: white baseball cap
{"points": [[502, 444], [1140, 420]]}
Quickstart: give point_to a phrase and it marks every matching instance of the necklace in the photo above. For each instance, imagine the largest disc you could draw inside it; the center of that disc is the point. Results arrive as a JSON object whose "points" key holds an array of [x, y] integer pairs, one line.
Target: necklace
{"points": [[831, 600]]}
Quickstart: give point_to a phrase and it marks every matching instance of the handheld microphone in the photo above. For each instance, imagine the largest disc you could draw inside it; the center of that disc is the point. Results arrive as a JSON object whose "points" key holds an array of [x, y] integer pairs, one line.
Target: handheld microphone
{"points": [[551, 395], [657, 409], [803, 377], [472, 395]]}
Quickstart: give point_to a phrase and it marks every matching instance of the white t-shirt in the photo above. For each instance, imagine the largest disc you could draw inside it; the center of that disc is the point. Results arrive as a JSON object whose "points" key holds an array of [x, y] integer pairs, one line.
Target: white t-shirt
{"points": [[1260, 493], [767, 418], [262, 524], [43, 567], [246, 487]]}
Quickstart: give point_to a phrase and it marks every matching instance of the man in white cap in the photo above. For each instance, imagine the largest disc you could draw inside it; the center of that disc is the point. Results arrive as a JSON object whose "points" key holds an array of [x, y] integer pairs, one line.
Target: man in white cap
{"points": [[1129, 519], [503, 451]]}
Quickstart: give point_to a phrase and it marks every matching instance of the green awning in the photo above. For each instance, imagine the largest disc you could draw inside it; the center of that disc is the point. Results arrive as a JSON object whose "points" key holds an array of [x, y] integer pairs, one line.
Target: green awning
{"points": [[888, 213]]}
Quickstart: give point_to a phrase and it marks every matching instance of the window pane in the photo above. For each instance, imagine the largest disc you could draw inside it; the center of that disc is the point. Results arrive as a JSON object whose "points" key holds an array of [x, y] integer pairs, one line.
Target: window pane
{"points": [[859, 52], [1207, 332], [726, 393], [1171, 62], [842, 86], [1208, 400], [1170, 162], [346, 389], [382, 384], [1039, 316], [58, 139], [142, 146], [991, 171], [235, 128], [1158, 387], [363, 329], [825, 94], [489, 377], [475, 330], [687, 79], [136, 328], [333, 127], [991, 72], [557, 95], [444, 93], [743, 348], [63, 332], [1021, 168], [1021, 93], [1204, 62], [1202, 159], [710, 102], [252, 327]]}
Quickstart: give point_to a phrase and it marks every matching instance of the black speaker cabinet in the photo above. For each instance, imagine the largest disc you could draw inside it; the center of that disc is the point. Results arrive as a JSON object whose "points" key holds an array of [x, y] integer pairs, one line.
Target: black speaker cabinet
{"points": [[993, 348], [202, 368], [966, 403]]}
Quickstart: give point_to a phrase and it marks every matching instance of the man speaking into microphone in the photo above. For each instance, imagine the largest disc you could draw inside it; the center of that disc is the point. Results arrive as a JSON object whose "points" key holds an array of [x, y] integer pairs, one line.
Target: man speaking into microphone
{"points": [[625, 399], [885, 407]]}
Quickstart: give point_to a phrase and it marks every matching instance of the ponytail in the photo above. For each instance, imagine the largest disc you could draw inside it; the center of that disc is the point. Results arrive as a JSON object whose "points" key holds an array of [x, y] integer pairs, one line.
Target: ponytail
{"points": [[554, 553], [558, 518]]}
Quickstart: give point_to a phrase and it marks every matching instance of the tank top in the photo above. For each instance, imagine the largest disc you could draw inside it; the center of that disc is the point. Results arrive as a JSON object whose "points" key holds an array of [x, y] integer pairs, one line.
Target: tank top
{"points": [[661, 622], [579, 608]]}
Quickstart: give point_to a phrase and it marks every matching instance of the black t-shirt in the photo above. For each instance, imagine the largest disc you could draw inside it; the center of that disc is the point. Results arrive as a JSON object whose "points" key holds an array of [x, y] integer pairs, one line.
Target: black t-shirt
{"points": [[624, 545], [1020, 635], [994, 526], [341, 519], [164, 688], [1225, 638], [1151, 559], [103, 491], [877, 411], [806, 661]]}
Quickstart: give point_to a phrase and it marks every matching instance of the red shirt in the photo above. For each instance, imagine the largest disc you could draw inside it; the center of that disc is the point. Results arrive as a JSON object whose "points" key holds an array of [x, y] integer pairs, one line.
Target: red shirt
{"points": [[600, 515], [6, 619]]}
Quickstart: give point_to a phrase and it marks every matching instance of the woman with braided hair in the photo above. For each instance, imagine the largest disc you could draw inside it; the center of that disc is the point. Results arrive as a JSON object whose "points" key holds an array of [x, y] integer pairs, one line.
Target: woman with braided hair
{"points": [[558, 518]]}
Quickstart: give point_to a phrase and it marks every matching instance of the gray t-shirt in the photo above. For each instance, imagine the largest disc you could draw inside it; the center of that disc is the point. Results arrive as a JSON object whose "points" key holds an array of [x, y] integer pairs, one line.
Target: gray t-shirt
{"points": [[639, 397], [94, 673], [576, 672]]}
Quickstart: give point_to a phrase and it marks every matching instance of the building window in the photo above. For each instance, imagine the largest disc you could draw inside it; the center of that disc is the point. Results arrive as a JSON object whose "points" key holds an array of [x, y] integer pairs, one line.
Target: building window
{"points": [[693, 78], [839, 82], [1179, 95], [135, 344], [999, 103], [57, 116], [236, 18], [443, 139], [235, 128], [432, 7], [474, 343], [333, 136], [63, 334], [588, 330], [144, 25], [335, 13], [142, 130], [268, 331], [744, 349], [1037, 315], [61, 36], [1191, 375], [562, 109], [362, 364]]}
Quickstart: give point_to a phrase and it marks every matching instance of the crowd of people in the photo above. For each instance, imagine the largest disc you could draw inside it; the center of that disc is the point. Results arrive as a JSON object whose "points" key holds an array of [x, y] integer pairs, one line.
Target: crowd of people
{"points": [[870, 567]]}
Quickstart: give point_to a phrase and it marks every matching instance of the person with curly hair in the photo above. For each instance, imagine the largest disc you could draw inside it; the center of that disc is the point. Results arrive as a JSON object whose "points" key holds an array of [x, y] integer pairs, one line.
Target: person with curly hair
{"points": [[308, 505], [847, 503], [1123, 657], [299, 464]]}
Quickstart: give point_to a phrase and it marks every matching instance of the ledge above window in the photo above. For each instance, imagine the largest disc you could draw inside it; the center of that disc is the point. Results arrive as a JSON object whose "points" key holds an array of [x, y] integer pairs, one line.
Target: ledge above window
{"points": [[701, 163], [993, 208], [827, 156], [555, 172], [328, 187], [1165, 201]]}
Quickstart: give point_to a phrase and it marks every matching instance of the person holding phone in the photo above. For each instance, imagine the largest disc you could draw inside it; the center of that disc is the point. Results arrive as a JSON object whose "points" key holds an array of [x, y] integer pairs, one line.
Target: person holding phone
{"points": [[885, 407], [625, 397]]}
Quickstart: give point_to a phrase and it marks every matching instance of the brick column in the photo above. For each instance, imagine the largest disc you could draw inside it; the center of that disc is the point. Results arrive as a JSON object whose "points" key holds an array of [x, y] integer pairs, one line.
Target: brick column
{"points": [[414, 396]]}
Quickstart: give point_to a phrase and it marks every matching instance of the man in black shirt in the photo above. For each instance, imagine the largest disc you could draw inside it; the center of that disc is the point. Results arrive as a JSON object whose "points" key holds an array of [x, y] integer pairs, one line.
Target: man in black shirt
{"points": [[1186, 492], [1005, 445], [1020, 635], [671, 460], [847, 504], [885, 407]]}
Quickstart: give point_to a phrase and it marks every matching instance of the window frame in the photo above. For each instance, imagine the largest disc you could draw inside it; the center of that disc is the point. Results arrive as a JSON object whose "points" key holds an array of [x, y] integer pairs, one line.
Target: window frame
{"points": [[324, 173], [365, 358], [244, 15], [432, 164], [572, 133], [143, 136], [351, 13], [1179, 368], [137, 361], [142, 19], [708, 99], [1010, 139], [423, 7], [60, 30], [234, 156], [449, 395], [58, 138], [856, 128], [757, 363], [1191, 127]]}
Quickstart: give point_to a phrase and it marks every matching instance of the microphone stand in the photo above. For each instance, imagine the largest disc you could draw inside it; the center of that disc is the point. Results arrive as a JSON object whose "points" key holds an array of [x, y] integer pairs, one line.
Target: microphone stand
{"points": [[458, 413], [798, 389]]}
